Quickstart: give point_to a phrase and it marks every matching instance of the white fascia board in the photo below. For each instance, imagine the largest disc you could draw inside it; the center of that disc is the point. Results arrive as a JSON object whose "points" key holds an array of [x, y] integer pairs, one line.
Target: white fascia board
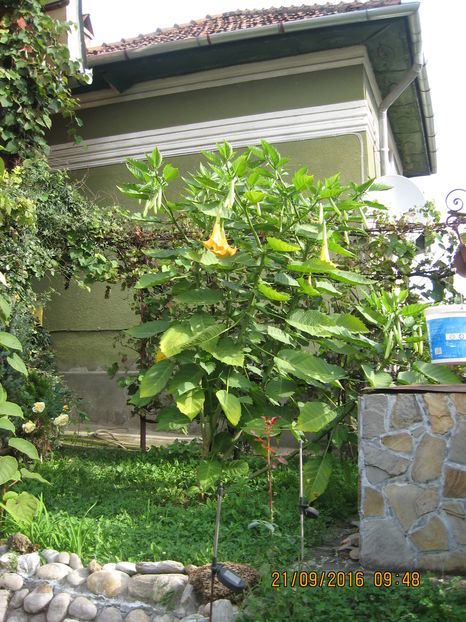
{"points": [[291, 65], [276, 127]]}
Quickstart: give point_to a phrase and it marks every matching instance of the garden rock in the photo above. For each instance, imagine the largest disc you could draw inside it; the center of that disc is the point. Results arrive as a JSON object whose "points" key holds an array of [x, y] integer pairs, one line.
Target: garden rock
{"points": [[82, 608], [18, 598], [39, 617], [94, 566], [110, 614], [75, 561], [27, 565], [4, 595], [189, 601], [16, 616], [58, 607], [53, 572], [163, 567], [19, 542], [50, 555], [8, 560], [168, 584], [110, 583], [137, 615], [127, 567], [64, 558], [11, 581], [142, 586], [222, 611], [110, 566], [38, 599], [77, 577]]}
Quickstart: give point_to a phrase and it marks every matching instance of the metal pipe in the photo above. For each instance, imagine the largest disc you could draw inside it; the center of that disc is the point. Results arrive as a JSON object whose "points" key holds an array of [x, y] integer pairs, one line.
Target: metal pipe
{"points": [[312, 23], [301, 500]]}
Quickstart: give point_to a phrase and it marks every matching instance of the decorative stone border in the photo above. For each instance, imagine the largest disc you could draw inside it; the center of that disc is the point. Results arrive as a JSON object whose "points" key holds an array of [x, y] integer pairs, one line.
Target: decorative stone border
{"points": [[412, 470], [62, 590]]}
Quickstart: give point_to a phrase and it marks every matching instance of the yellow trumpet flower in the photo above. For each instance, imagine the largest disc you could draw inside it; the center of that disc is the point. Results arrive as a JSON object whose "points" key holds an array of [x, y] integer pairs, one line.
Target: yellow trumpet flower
{"points": [[324, 253], [160, 356], [217, 243]]}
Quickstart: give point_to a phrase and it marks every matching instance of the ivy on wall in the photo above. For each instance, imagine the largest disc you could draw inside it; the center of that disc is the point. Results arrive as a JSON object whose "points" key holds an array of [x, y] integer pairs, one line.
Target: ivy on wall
{"points": [[35, 77]]}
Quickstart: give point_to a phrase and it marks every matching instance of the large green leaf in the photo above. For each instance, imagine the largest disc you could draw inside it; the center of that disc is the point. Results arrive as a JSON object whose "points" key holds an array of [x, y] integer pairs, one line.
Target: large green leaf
{"points": [[153, 279], [307, 367], [438, 373], [175, 340], [201, 296], [6, 424], [235, 380], [7, 340], [351, 278], [281, 246], [236, 468], [315, 416], [23, 508], [229, 352], [209, 474], [231, 406], [17, 363], [272, 294], [410, 377], [3, 395], [8, 468], [312, 266], [170, 419], [351, 322], [24, 446], [325, 287], [379, 380], [148, 329], [191, 402], [27, 474], [313, 323], [317, 473], [10, 409], [187, 377], [279, 335], [155, 379], [279, 389]]}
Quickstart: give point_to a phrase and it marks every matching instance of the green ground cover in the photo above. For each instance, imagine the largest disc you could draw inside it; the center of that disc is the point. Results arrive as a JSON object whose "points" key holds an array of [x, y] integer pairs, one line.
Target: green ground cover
{"points": [[116, 505]]}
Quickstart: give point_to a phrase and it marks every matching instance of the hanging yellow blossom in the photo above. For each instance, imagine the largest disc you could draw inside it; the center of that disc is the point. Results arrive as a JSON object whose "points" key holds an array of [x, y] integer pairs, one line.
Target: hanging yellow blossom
{"points": [[217, 243], [324, 252]]}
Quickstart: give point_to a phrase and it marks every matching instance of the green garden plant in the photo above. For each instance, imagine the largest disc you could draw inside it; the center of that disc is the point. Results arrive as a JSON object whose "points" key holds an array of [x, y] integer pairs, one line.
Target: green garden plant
{"points": [[251, 300]]}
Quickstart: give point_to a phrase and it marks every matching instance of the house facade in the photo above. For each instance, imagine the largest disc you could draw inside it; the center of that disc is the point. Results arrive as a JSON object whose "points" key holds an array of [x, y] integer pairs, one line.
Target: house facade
{"points": [[337, 88]]}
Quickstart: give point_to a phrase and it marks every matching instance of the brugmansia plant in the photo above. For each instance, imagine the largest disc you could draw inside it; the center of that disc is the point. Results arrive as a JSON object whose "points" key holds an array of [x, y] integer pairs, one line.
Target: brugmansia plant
{"points": [[252, 301]]}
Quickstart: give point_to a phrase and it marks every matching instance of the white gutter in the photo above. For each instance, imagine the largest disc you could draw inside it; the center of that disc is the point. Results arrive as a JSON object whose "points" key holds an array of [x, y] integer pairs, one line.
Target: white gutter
{"points": [[325, 21], [417, 71]]}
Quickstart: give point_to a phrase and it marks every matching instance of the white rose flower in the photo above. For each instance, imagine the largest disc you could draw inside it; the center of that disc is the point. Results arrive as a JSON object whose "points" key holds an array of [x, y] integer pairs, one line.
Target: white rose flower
{"points": [[38, 407], [29, 427], [61, 420]]}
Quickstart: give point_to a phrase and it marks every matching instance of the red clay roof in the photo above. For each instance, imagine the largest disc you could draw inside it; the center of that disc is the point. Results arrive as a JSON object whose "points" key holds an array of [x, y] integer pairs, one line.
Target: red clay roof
{"points": [[236, 20]]}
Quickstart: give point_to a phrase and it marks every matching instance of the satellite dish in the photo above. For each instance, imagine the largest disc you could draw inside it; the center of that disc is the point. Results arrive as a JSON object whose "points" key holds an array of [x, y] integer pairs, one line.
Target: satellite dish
{"points": [[403, 196]]}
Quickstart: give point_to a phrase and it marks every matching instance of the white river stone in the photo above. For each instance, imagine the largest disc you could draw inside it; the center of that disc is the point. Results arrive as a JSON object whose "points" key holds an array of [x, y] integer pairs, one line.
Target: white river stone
{"points": [[38, 599]]}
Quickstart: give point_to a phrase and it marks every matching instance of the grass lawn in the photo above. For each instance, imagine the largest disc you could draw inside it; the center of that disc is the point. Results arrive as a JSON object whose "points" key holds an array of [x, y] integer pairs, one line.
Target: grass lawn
{"points": [[115, 505]]}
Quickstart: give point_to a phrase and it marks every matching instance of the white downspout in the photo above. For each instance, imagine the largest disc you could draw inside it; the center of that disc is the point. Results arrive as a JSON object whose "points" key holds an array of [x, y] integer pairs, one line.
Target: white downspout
{"points": [[415, 70]]}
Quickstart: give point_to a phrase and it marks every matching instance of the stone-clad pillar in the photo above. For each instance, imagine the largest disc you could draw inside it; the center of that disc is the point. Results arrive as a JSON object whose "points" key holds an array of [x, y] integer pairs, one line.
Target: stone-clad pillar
{"points": [[412, 471]]}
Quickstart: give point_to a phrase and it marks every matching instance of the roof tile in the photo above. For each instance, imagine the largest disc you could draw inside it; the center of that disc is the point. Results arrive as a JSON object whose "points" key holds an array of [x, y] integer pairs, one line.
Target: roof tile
{"points": [[235, 20]]}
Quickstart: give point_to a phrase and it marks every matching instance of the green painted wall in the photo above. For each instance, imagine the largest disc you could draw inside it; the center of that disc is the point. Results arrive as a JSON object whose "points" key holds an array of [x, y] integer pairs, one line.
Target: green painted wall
{"points": [[84, 325], [283, 93]]}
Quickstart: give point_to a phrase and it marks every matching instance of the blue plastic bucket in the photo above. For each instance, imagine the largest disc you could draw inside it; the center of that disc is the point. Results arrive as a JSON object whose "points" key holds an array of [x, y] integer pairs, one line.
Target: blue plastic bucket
{"points": [[446, 327]]}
